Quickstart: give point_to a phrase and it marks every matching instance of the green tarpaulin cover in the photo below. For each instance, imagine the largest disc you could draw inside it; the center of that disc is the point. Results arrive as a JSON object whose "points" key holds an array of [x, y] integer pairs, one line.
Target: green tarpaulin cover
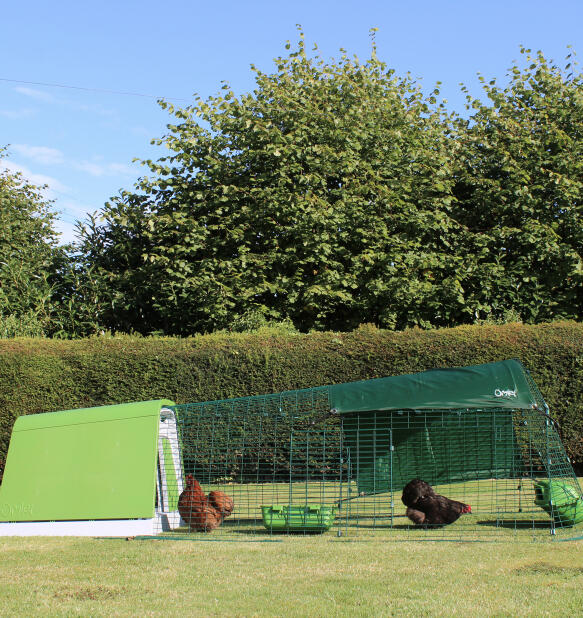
{"points": [[443, 425], [502, 384]]}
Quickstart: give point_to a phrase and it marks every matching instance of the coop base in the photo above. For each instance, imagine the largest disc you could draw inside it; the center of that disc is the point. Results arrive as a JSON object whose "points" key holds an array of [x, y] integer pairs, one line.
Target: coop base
{"points": [[114, 527], [164, 522]]}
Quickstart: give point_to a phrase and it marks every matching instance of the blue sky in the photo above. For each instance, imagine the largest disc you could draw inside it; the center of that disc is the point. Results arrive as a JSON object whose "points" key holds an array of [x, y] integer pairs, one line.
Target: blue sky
{"points": [[81, 142]]}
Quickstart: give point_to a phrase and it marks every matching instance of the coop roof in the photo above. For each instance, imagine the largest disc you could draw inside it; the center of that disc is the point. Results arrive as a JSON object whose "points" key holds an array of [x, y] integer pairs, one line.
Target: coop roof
{"points": [[504, 384], [93, 463]]}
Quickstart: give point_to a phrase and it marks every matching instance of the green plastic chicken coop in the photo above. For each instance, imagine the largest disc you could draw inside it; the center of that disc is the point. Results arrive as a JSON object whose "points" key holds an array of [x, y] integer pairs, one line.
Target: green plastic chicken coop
{"points": [[308, 460], [94, 471]]}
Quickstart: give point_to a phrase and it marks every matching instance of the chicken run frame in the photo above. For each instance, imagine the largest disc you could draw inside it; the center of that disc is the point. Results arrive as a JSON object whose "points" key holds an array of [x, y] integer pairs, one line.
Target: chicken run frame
{"points": [[306, 461]]}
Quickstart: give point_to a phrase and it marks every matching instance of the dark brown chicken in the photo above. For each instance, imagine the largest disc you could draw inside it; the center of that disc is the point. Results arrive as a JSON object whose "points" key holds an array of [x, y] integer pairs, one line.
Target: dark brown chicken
{"points": [[221, 502], [427, 508], [195, 508]]}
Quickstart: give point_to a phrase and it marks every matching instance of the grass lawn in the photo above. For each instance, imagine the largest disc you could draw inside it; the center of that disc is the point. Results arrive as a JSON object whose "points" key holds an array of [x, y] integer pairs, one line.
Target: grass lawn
{"points": [[292, 576]]}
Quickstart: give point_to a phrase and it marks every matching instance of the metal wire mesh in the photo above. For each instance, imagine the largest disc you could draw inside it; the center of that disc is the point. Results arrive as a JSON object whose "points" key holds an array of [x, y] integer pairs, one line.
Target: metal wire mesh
{"points": [[291, 466], [492, 460]]}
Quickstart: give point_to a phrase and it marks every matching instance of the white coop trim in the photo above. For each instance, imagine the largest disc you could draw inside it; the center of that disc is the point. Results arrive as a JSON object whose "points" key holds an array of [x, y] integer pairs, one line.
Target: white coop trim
{"points": [[169, 481]]}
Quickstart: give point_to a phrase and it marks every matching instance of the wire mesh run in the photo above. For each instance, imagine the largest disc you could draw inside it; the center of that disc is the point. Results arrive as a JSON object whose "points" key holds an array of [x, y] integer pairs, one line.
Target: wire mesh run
{"points": [[503, 464], [289, 465]]}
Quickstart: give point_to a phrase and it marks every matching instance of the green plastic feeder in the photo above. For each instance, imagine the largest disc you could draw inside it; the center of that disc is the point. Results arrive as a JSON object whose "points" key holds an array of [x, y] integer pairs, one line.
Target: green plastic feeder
{"points": [[289, 518], [560, 500]]}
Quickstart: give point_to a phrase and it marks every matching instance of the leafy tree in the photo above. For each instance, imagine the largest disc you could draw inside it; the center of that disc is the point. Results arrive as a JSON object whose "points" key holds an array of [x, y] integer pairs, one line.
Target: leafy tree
{"points": [[520, 194], [322, 197], [27, 253], [336, 194], [79, 297], [45, 289]]}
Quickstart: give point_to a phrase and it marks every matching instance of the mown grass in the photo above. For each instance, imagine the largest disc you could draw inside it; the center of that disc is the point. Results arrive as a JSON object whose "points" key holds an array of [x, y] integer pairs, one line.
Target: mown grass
{"points": [[297, 576], [474, 566]]}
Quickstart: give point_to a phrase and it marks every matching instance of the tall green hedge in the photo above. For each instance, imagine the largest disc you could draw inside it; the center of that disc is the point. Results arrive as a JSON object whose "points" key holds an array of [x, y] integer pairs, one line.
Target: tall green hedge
{"points": [[38, 375]]}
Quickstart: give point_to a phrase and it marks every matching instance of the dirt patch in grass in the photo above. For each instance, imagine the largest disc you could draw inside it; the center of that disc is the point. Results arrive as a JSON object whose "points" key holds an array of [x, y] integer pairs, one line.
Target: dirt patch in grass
{"points": [[544, 568], [90, 593]]}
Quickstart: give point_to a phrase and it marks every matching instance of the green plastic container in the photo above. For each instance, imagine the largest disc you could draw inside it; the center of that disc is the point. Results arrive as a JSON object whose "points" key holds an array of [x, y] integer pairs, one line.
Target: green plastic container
{"points": [[289, 518], [560, 500]]}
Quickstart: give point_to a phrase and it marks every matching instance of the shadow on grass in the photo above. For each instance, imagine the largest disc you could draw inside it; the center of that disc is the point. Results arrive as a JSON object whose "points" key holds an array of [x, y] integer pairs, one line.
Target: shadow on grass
{"points": [[516, 524]]}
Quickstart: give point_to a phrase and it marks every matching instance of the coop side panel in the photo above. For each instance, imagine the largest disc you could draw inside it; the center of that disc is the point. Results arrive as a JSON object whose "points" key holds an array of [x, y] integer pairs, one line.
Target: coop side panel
{"points": [[388, 449], [88, 464]]}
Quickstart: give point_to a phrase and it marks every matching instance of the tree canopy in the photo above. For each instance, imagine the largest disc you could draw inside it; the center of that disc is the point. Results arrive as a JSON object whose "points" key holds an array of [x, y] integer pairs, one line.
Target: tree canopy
{"points": [[27, 252], [322, 197], [520, 192], [338, 193]]}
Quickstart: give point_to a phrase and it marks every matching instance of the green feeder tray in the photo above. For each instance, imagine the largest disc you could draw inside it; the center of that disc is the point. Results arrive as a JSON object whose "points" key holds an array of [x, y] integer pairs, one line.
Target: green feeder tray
{"points": [[309, 518], [560, 500]]}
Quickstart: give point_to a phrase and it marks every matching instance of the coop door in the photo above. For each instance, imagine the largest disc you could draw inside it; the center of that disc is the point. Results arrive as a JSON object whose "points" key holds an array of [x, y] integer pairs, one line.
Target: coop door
{"points": [[316, 467], [369, 439], [169, 481]]}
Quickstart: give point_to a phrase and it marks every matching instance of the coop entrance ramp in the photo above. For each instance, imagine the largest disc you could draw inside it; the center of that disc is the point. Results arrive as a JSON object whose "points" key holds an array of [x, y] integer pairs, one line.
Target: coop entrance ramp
{"points": [[169, 480], [84, 472]]}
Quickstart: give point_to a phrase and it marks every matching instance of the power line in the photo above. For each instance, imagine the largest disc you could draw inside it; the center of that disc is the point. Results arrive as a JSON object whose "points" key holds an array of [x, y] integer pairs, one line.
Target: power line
{"points": [[102, 90]]}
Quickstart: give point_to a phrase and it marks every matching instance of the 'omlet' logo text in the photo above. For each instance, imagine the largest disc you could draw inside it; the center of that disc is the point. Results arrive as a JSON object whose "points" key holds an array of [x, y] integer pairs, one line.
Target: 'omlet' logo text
{"points": [[504, 393], [15, 510]]}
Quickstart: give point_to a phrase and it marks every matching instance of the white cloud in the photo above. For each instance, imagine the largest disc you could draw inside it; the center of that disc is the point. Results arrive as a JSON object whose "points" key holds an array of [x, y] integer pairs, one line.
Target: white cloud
{"points": [[93, 109], [122, 169], [36, 179], [74, 210], [17, 114], [47, 97], [52, 156], [38, 95], [106, 169], [66, 229], [141, 131], [91, 168], [69, 212], [39, 154]]}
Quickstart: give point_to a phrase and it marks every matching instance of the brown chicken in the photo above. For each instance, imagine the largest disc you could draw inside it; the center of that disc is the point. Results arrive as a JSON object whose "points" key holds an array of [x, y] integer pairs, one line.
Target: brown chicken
{"points": [[195, 508], [427, 508], [223, 503]]}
